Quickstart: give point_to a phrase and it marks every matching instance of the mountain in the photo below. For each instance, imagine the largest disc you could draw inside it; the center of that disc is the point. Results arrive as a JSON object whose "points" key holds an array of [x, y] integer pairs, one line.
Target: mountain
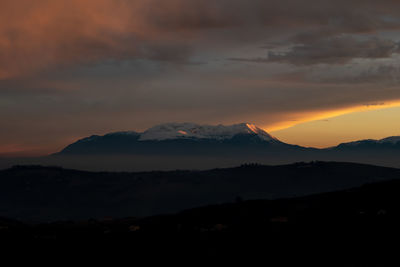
{"points": [[192, 139], [37, 193], [389, 143], [183, 139]]}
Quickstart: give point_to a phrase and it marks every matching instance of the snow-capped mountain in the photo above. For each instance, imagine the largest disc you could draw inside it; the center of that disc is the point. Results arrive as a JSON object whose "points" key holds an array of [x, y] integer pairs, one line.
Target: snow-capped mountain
{"points": [[192, 138], [170, 131], [181, 138], [195, 146], [184, 145]]}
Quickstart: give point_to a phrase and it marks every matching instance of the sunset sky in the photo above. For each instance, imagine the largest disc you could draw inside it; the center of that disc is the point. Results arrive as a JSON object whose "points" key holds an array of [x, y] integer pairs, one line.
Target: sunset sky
{"points": [[311, 72]]}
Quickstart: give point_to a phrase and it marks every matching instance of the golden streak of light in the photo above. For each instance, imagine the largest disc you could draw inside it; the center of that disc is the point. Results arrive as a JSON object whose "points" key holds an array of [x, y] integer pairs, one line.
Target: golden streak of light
{"points": [[303, 117]]}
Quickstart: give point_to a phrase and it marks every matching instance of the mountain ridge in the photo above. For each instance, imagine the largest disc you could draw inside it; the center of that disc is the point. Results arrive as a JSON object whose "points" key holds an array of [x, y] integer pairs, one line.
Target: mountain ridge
{"points": [[188, 134]]}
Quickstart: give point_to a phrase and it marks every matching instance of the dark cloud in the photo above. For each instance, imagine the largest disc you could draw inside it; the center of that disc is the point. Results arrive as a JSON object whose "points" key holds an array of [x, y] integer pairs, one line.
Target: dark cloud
{"points": [[337, 50], [373, 73], [374, 104], [45, 34]]}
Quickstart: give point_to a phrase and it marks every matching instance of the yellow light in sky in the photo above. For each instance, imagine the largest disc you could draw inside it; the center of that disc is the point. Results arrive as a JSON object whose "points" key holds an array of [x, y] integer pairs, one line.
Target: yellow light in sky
{"points": [[331, 128]]}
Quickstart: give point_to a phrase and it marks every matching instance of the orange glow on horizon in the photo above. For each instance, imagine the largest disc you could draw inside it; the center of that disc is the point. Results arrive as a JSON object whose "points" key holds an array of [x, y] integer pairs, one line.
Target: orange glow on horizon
{"points": [[330, 128]]}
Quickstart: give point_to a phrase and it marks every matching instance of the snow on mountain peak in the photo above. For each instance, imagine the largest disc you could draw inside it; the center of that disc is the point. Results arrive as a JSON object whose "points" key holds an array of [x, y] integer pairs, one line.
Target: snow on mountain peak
{"points": [[392, 139], [191, 130]]}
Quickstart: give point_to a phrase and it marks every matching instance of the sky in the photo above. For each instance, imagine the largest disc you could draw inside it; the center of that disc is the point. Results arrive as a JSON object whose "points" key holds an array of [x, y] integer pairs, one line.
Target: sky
{"points": [[311, 72]]}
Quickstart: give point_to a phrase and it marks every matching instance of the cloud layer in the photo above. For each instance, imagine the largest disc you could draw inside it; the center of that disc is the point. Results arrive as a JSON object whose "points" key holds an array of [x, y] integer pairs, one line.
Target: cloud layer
{"points": [[69, 68], [46, 34]]}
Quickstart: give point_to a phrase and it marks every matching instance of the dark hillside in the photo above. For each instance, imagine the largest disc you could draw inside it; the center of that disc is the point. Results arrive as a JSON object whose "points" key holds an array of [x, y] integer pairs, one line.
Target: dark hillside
{"points": [[355, 227], [34, 193]]}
